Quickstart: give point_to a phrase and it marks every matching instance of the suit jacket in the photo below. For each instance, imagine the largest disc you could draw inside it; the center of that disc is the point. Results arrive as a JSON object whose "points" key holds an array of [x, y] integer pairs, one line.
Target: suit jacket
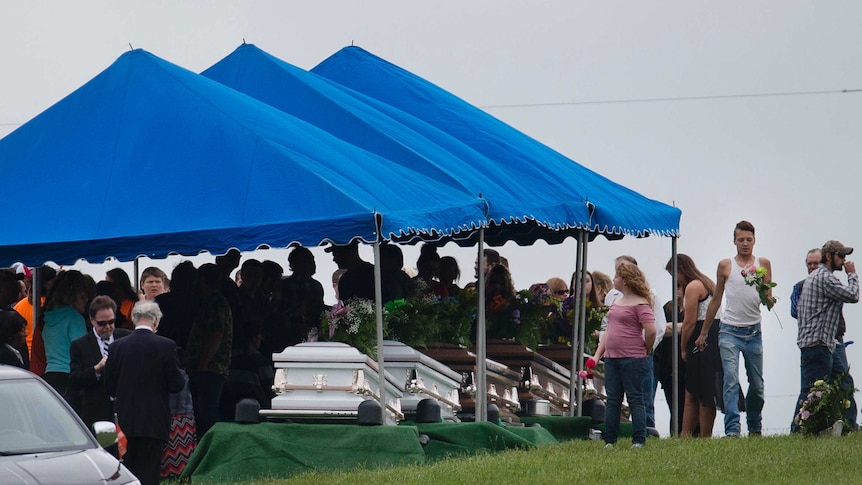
{"points": [[141, 371], [85, 352], [9, 358]]}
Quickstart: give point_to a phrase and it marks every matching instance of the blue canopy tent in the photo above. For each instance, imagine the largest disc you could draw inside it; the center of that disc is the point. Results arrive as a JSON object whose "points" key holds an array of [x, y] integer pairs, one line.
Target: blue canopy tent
{"points": [[616, 210], [401, 137], [149, 158]]}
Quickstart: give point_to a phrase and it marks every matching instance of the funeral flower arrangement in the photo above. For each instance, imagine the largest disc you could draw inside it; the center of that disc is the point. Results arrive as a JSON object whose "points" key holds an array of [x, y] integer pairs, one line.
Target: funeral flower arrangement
{"points": [[825, 404], [594, 317], [423, 319], [754, 277], [533, 313], [353, 323]]}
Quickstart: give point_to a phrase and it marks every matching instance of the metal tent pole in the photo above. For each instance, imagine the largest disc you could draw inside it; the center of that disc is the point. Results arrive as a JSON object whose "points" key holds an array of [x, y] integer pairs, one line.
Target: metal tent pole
{"points": [[575, 390], [582, 312], [481, 340], [378, 313], [675, 343]]}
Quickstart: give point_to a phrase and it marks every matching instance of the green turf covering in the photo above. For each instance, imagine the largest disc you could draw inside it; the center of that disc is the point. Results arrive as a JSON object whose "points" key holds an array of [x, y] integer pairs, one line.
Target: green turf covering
{"points": [[563, 428], [234, 452], [448, 439]]}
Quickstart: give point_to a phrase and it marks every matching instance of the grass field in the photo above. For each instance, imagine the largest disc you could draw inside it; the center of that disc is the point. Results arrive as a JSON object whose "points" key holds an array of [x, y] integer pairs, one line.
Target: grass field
{"points": [[778, 459]]}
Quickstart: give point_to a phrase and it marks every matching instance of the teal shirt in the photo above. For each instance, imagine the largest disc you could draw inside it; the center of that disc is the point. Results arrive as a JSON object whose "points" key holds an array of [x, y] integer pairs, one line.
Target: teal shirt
{"points": [[62, 325]]}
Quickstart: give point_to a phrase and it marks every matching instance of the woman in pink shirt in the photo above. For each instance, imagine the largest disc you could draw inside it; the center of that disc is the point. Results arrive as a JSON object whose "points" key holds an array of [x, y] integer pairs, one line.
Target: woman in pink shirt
{"points": [[625, 347]]}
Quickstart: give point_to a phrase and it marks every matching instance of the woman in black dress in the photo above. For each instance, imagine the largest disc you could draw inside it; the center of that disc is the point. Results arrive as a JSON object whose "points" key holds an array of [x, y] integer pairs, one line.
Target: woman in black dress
{"points": [[702, 368]]}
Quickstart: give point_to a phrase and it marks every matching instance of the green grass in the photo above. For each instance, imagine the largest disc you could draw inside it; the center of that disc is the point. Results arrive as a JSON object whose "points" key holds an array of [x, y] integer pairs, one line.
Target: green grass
{"points": [[780, 459]]}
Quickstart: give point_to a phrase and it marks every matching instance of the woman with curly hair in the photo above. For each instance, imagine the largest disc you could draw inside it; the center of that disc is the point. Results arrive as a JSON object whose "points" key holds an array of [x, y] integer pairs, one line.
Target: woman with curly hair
{"points": [[626, 347]]}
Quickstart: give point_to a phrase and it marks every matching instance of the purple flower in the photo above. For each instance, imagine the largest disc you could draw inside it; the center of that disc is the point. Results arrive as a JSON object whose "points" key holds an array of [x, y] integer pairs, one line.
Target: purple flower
{"points": [[819, 393], [516, 315], [805, 414]]}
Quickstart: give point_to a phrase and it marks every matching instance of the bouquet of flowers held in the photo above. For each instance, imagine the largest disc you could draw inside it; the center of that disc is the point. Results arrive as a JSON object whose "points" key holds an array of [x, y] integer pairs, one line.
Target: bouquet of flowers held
{"points": [[353, 323], [826, 403], [754, 277]]}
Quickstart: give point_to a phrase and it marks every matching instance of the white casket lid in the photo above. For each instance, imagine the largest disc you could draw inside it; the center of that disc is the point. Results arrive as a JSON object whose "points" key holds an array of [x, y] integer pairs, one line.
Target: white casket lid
{"points": [[322, 352], [394, 351]]}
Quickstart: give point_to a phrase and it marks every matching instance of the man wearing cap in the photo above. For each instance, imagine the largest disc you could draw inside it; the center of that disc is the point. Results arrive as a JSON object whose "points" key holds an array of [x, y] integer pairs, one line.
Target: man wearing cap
{"points": [[820, 314], [840, 366]]}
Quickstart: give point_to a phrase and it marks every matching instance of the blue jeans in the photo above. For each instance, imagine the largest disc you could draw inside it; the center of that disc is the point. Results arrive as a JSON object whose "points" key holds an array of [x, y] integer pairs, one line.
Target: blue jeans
{"points": [[749, 342], [650, 384], [815, 363], [625, 375], [819, 363]]}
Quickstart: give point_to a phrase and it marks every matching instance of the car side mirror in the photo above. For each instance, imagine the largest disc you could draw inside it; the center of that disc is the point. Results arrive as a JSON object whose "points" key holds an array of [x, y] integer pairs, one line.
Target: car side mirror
{"points": [[106, 433]]}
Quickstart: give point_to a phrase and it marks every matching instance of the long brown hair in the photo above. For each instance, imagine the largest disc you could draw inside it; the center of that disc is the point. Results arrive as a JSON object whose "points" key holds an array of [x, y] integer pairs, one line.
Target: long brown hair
{"points": [[688, 271], [592, 295]]}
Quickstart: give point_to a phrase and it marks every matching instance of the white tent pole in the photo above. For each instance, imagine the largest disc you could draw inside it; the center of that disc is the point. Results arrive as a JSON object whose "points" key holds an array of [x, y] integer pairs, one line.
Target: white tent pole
{"points": [[574, 384], [675, 342], [378, 313], [481, 381]]}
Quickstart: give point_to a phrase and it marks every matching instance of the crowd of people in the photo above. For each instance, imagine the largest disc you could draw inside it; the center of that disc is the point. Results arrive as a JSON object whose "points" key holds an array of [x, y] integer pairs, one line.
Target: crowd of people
{"points": [[216, 334]]}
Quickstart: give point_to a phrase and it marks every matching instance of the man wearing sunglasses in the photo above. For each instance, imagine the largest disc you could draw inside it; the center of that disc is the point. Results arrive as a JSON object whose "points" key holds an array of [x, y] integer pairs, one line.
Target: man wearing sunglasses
{"points": [[820, 314], [88, 356]]}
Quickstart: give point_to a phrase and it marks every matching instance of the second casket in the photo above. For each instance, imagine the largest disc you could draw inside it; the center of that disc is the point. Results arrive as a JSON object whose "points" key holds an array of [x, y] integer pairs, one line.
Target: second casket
{"points": [[329, 380], [423, 378]]}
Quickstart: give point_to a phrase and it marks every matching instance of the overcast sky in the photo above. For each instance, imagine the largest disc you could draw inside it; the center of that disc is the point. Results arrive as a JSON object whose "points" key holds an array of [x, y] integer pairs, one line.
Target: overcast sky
{"points": [[729, 110]]}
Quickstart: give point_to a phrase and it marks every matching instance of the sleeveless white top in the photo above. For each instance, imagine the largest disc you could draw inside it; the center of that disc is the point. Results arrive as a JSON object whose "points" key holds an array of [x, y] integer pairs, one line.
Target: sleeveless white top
{"points": [[703, 305], [741, 302]]}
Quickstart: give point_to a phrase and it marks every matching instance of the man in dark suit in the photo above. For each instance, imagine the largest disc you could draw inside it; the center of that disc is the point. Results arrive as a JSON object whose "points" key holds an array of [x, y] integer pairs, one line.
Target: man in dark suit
{"points": [[88, 356], [141, 371]]}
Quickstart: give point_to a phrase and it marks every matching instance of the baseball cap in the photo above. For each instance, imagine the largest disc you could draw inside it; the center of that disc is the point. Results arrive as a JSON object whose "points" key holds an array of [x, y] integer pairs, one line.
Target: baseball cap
{"points": [[333, 247], [836, 247], [21, 269]]}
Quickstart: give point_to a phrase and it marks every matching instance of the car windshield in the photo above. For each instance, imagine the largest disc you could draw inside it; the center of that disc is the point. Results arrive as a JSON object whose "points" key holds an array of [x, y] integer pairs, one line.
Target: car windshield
{"points": [[33, 419]]}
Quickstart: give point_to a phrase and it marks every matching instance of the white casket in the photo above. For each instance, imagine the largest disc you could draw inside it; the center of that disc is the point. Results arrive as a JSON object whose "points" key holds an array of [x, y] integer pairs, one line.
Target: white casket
{"points": [[423, 378], [328, 380]]}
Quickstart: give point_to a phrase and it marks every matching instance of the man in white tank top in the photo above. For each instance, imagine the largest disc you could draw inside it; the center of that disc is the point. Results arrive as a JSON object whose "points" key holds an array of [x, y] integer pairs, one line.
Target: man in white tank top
{"points": [[740, 331]]}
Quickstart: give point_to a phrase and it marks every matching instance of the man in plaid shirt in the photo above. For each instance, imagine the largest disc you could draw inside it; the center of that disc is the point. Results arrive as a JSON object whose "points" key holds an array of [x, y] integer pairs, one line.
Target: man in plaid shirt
{"points": [[820, 313]]}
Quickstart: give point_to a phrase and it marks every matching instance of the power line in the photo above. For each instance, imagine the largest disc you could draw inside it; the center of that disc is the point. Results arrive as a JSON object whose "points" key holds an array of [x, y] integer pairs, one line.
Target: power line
{"points": [[646, 100], [679, 98]]}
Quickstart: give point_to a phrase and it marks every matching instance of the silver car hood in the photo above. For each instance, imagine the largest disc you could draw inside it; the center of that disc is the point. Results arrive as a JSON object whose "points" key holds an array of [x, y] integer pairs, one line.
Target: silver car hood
{"points": [[93, 466]]}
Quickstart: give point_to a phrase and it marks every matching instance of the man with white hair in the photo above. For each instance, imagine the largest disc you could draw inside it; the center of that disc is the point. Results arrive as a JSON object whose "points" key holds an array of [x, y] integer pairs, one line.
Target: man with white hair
{"points": [[141, 370]]}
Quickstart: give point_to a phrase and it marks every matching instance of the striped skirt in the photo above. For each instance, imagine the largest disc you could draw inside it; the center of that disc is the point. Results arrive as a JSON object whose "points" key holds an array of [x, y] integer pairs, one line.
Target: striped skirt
{"points": [[180, 446]]}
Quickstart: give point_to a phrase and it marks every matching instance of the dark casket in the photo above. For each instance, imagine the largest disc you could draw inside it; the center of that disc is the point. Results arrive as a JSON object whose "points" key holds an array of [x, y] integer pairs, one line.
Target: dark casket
{"points": [[502, 381], [541, 379]]}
